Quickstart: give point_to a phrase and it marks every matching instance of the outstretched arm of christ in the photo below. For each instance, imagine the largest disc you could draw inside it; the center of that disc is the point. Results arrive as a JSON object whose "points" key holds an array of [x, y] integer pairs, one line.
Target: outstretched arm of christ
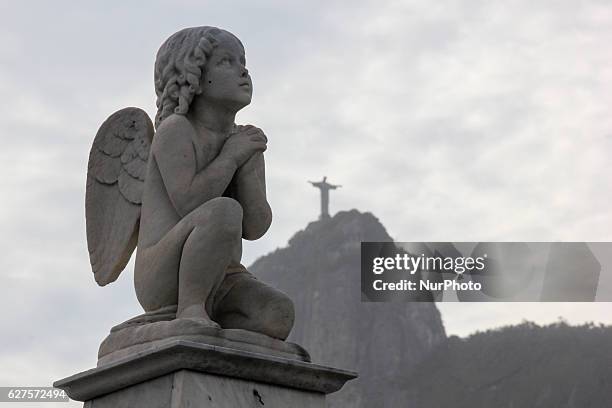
{"points": [[249, 188]]}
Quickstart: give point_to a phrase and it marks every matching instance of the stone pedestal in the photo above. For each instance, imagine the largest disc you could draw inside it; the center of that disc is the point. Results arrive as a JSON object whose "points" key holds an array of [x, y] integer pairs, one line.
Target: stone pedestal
{"points": [[181, 374]]}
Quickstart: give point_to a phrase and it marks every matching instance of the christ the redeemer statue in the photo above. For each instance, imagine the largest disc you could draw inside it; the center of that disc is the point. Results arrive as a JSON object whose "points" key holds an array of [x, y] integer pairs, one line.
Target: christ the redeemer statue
{"points": [[324, 186]]}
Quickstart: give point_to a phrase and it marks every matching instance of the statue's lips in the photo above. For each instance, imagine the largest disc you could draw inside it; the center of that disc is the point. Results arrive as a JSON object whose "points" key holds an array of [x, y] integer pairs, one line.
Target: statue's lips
{"points": [[245, 85]]}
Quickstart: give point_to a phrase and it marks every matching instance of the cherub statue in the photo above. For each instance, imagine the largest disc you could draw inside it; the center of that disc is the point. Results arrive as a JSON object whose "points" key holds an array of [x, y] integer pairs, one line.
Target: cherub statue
{"points": [[186, 194]]}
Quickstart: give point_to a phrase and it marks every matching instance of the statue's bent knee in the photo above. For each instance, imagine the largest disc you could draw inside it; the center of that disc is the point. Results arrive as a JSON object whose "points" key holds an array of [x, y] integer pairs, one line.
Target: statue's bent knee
{"points": [[220, 215]]}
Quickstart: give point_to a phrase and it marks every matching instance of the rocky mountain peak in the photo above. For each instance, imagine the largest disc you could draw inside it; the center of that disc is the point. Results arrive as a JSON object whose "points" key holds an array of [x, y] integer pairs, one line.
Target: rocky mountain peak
{"points": [[320, 271]]}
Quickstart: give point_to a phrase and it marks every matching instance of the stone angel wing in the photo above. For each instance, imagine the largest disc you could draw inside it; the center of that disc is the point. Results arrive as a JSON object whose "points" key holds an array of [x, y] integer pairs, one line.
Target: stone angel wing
{"points": [[115, 181]]}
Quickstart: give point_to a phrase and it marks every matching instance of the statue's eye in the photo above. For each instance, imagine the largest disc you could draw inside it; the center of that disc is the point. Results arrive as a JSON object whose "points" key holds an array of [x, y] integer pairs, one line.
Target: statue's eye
{"points": [[225, 61]]}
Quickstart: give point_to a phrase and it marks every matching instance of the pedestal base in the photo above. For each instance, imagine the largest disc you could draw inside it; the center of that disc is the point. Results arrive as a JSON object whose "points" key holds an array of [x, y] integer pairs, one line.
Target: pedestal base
{"points": [[186, 388], [183, 374]]}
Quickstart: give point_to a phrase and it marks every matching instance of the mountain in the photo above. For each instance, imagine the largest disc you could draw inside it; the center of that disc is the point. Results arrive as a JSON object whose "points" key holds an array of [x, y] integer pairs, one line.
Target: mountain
{"points": [[384, 342], [555, 366]]}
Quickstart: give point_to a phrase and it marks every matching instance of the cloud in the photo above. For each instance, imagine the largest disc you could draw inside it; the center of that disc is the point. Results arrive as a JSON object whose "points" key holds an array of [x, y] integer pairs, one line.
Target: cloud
{"points": [[459, 121]]}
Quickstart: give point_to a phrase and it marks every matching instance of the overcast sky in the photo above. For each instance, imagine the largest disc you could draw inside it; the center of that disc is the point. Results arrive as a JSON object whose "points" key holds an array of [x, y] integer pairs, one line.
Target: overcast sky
{"points": [[449, 121]]}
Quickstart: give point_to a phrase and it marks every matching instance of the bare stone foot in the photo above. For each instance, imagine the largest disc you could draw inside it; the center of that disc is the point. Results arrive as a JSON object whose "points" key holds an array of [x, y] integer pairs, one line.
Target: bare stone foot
{"points": [[197, 313]]}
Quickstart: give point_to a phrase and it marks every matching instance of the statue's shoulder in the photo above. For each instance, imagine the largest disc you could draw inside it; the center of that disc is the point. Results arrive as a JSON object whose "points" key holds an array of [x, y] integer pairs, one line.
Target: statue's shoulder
{"points": [[174, 129]]}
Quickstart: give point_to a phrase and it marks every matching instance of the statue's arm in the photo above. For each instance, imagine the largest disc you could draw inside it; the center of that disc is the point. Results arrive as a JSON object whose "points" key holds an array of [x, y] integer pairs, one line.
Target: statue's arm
{"points": [[250, 191], [175, 156]]}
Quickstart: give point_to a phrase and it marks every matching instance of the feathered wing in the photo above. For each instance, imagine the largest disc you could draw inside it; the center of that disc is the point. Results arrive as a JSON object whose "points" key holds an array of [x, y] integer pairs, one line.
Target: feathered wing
{"points": [[115, 181]]}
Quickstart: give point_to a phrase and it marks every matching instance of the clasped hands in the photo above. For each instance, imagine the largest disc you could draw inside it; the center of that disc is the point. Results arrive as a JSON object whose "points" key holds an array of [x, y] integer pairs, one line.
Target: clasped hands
{"points": [[244, 143]]}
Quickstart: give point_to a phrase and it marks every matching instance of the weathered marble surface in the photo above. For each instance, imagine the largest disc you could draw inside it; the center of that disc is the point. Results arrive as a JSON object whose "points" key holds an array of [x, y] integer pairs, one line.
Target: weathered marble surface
{"points": [[190, 389], [180, 373], [134, 339], [185, 191]]}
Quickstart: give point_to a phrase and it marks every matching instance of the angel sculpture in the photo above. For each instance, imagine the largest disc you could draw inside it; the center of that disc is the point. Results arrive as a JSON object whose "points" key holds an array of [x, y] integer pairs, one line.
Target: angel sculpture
{"points": [[186, 194]]}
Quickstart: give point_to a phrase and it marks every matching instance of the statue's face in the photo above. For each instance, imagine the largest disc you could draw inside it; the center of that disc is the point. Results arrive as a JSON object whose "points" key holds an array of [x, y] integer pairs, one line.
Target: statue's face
{"points": [[226, 80]]}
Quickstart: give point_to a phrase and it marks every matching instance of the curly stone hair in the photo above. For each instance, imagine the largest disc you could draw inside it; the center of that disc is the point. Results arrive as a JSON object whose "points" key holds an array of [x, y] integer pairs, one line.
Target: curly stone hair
{"points": [[180, 63]]}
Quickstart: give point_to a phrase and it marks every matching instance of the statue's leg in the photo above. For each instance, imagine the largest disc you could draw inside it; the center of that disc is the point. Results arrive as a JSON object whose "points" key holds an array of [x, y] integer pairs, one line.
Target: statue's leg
{"points": [[252, 305], [214, 241], [189, 262]]}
